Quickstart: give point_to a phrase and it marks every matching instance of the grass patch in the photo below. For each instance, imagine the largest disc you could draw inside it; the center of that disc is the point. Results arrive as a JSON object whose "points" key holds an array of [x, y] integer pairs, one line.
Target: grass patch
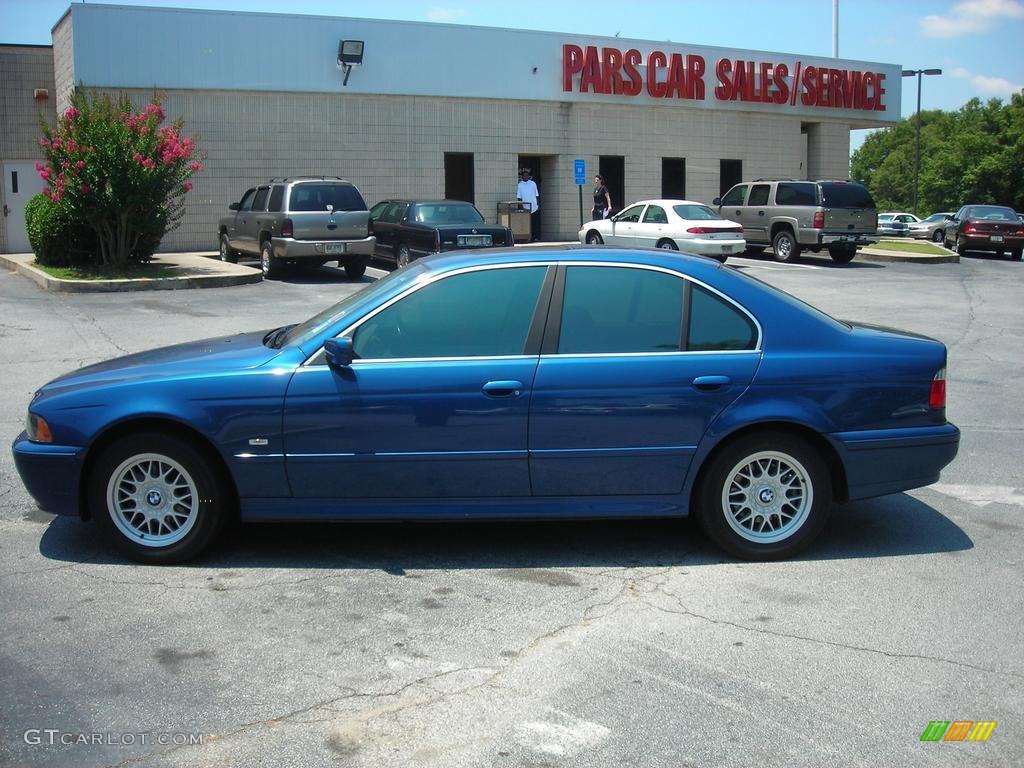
{"points": [[107, 273], [911, 246]]}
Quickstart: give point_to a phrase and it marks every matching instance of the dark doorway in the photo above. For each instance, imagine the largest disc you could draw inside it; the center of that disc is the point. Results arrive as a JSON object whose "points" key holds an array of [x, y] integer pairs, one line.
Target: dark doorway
{"points": [[541, 167], [459, 182], [730, 172], [673, 178], [613, 170]]}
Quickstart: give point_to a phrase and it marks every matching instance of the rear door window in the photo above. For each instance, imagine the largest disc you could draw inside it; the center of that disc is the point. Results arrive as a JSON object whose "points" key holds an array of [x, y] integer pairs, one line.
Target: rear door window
{"points": [[717, 325], [655, 215], [795, 193], [276, 198], [259, 203], [759, 194], [836, 195]]}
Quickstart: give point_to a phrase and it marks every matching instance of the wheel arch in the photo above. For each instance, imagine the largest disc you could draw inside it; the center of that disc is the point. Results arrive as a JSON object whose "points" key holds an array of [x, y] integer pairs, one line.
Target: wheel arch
{"points": [[816, 440], [781, 224], [161, 424]]}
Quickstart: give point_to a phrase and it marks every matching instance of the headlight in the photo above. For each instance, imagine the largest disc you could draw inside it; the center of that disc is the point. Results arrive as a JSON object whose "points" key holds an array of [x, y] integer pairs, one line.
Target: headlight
{"points": [[38, 430]]}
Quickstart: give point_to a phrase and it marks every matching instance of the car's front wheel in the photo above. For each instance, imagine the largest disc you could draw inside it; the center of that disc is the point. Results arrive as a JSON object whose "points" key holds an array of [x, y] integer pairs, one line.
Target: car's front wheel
{"points": [[939, 236], [594, 238], [227, 253], [765, 497], [158, 498], [402, 256]]}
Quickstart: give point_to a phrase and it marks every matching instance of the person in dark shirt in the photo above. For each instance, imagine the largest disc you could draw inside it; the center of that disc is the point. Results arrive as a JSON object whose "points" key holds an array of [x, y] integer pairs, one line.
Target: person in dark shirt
{"points": [[602, 200]]}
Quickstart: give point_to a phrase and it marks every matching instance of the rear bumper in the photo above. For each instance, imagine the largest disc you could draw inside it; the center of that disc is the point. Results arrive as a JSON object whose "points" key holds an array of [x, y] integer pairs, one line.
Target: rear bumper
{"points": [[716, 248], [884, 461], [985, 243], [839, 239], [51, 474], [289, 248]]}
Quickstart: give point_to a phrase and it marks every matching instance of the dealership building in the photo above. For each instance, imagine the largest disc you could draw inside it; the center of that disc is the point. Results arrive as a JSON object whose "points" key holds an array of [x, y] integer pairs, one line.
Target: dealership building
{"points": [[424, 110]]}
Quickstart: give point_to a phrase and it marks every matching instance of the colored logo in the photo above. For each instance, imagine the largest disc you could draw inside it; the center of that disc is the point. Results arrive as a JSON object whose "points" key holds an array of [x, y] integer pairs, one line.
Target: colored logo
{"points": [[958, 730]]}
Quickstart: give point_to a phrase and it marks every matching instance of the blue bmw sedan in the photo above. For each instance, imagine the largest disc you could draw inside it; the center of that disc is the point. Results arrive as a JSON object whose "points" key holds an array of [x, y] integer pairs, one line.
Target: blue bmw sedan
{"points": [[581, 382]]}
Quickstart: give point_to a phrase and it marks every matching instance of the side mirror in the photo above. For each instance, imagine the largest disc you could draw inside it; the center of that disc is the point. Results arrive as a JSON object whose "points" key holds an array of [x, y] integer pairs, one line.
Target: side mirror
{"points": [[233, 207], [339, 352], [717, 201]]}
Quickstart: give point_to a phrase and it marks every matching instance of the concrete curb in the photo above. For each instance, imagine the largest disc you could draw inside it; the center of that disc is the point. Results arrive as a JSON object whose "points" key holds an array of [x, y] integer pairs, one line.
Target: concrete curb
{"points": [[879, 254], [217, 275]]}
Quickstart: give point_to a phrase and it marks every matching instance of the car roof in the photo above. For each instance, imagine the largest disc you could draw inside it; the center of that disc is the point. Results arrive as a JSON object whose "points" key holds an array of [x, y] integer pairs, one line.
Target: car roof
{"points": [[669, 202], [411, 201]]}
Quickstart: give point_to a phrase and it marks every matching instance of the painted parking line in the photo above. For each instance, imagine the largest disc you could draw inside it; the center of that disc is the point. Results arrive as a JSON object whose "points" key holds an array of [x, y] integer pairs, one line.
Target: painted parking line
{"points": [[771, 266]]}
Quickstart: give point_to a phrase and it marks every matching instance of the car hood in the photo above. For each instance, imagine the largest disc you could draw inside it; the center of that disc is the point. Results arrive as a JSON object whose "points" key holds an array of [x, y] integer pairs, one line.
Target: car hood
{"points": [[224, 353]]}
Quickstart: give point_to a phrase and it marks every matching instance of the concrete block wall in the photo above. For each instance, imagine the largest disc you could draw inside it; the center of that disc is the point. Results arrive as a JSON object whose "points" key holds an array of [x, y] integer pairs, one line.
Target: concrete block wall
{"points": [[23, 69], [393, 146]]}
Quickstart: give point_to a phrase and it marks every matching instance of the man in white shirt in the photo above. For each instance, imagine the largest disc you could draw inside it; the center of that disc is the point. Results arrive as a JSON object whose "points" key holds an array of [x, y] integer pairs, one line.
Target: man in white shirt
{"points": [[527, 192]]}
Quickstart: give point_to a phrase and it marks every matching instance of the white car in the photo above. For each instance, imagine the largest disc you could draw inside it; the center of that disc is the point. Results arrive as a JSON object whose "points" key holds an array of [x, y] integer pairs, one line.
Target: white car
{"points": [[676, 225]]}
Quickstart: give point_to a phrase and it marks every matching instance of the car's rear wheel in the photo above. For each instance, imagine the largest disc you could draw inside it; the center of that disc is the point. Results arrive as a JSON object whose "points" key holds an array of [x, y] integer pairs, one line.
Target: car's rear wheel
{"points": [[271, 266], [938, 236], [755, 250], [668, 245], [961, 246], [158, 498], [227, 253], [765, 497], [842, 254], [594, 238], [1017, 254], [786, 248], [402, 257], [355, 268]]}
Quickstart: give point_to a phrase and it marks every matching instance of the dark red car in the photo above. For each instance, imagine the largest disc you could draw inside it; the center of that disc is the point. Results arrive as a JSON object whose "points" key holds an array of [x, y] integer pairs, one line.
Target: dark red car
{"points": [[986, 228]]}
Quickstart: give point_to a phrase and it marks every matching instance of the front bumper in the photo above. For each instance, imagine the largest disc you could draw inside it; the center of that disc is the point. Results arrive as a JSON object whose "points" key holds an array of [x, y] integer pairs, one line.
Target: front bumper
{"points": [[51, 473], [289, 248], [885, 461]]}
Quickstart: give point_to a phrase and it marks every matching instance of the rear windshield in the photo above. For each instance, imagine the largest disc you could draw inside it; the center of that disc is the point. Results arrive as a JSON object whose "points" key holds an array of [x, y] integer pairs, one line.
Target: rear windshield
{"points": [[448, 213], [835, 195], [316, 197], [695, 212], [991, 213]]}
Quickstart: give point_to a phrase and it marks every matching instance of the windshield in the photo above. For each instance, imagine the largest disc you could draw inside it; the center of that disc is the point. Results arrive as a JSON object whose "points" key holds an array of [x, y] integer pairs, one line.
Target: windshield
{"points": [[695, 212], [320, 322], [448, 213]]}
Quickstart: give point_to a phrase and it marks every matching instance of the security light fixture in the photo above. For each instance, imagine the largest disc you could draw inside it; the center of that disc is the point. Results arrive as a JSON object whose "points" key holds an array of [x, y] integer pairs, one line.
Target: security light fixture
{"points": [[350, 54]]}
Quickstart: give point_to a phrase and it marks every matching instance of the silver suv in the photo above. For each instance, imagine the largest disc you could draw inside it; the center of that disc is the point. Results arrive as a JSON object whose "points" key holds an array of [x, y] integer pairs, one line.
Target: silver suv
{"points": [[300, 220], [792, 215]]}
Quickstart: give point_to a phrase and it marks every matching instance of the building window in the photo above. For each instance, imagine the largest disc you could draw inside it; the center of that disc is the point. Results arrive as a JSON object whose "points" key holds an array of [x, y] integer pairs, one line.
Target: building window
{"points": [[730, 172], [673, 178]]}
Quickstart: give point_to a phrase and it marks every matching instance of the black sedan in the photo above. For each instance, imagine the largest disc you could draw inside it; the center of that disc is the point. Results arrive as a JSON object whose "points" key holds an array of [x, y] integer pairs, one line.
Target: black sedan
{"points": [[409, 229]]}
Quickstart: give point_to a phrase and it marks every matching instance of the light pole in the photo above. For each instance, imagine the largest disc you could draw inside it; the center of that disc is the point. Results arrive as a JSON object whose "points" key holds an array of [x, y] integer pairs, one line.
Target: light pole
{"points": [[917, 153]]}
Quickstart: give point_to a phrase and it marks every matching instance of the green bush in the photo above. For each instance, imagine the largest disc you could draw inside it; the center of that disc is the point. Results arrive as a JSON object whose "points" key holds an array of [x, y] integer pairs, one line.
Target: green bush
{"points": [[55, 237], [116, 180]]}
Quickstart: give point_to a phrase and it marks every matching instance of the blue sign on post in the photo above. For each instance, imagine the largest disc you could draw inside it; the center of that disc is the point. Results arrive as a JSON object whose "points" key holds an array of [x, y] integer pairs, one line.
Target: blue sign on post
{"points": [[579, 170]]}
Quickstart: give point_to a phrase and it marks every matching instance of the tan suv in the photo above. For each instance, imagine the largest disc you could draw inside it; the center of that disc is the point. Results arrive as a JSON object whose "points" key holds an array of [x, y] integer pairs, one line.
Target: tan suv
{"points": [[300, 220], [792, 215]]}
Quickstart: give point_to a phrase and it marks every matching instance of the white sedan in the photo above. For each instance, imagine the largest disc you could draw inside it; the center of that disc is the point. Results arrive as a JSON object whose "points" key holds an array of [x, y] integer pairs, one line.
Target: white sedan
{"points": [[676, 225]]}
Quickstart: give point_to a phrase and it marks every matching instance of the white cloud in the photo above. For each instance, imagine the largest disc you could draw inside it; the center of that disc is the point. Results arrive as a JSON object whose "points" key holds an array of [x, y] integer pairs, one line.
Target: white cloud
{"points": [[988, 86], [971, 17], [445, 14]]}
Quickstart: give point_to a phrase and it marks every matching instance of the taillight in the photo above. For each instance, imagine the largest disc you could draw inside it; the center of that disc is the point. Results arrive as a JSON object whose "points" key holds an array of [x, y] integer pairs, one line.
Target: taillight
{"points": [[287, 228], [437, 241], [699, 230], [937, 395], [970, 229], [819, 220], [713, 230]]}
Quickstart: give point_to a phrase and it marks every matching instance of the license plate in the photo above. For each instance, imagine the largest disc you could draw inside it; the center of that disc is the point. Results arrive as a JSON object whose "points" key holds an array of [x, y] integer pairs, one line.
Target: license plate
{"points": [[474, 241], [334, 248], [997, 238], [726, 249]]}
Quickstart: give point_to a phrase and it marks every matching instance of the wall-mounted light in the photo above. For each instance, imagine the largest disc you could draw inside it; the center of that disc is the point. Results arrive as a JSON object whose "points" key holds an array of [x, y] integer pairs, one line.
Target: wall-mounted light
{"points": [[40, 94], [350, 54]]}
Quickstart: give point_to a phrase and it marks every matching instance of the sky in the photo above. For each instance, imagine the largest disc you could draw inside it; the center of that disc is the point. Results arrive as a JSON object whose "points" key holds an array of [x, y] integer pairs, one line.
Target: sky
{"points": [[977, 43]]}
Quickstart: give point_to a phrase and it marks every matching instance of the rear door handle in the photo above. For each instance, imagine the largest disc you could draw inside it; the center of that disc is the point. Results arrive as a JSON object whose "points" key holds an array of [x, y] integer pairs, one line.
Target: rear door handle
{"points": [[509, 388], [710, 383]]}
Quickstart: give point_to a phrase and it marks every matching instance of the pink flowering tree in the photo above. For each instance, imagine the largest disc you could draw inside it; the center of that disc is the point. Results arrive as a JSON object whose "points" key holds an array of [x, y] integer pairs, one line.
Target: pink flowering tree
{"points": [[118, 171]]}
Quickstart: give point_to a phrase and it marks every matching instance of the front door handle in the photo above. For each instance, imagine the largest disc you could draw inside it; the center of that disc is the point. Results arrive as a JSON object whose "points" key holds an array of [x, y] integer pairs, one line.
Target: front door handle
{"points": [[509, 388], [710, 383]]}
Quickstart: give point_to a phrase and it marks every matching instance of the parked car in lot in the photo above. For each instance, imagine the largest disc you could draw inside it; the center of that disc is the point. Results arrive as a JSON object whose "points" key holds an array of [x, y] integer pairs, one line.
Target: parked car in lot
{"points": [[933, 228], [994, 228], [301, 220], [408, 229], [791, 215], [896, 224], [675, 225], [512, 384]]}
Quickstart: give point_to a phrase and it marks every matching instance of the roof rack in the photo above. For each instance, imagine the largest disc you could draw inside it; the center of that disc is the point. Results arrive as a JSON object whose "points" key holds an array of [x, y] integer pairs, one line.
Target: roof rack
{"points": [[305, 178]]}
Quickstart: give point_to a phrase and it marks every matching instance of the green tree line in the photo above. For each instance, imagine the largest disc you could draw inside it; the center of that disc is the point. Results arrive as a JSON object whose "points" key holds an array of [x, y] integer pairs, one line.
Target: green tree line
{"points": [[973, 155]]}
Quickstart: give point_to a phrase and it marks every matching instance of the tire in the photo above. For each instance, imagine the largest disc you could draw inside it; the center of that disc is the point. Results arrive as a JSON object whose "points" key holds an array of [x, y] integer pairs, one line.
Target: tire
{"points": [[842, 254], [1016, 255], [786, 248], [939, 236], [755, 250], [961, 247], [668, 245], [355, 268], [271, 267], [402, 256], [129, 487], [594, 238], [765, 497], [227, 253]]}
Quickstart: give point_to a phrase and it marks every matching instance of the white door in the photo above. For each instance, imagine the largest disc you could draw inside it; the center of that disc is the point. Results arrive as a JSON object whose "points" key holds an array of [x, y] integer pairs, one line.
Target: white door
{"points": [[21, 182]]}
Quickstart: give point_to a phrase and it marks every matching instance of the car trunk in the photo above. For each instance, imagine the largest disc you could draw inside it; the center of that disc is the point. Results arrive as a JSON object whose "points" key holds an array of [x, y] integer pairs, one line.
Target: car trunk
{"points": [[322, 225], [848, 209], [988, 227]]}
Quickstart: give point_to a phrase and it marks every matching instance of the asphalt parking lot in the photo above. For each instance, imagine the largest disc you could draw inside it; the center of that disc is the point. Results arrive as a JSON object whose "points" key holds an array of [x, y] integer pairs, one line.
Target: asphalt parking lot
{"points": [[528, 644]]}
